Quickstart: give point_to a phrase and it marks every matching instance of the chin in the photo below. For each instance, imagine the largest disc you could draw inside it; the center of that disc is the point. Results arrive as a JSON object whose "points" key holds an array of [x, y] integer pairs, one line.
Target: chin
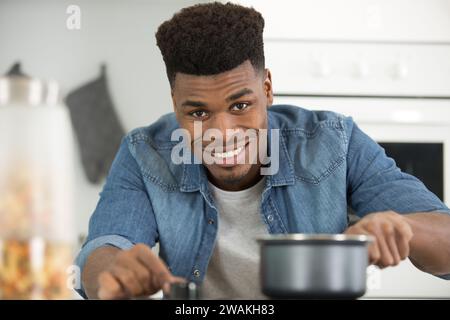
{"points": [[230, 175]]}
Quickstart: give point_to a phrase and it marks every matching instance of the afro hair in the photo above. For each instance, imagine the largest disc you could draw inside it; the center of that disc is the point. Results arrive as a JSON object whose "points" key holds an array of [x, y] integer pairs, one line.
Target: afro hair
{"points": [[211, 38]]}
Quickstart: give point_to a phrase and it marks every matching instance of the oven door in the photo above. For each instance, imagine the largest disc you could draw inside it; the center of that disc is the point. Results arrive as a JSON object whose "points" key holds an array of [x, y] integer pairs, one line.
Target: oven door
{"points": [[416, 133]]}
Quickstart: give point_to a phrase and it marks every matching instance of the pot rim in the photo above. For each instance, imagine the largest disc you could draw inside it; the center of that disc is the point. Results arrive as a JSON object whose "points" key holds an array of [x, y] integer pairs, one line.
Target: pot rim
{"points": [[304, 237]]}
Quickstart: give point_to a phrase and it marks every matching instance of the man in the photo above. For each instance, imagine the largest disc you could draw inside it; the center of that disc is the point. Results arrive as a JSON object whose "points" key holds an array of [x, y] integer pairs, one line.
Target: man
{"points": [[206, 216]]}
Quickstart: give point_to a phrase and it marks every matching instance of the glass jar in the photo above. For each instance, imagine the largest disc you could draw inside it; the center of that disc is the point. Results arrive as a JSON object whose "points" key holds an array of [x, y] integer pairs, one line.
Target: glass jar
{"points": [[37, 232]]}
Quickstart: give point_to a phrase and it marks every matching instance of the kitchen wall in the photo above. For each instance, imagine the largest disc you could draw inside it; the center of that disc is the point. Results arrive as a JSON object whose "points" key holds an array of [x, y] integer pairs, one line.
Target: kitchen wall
{"points": [[119, 33], [366, 20]]}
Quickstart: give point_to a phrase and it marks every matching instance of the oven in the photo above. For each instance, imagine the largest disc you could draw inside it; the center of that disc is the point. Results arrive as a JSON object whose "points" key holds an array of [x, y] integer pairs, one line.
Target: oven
{"points": [[399, 94]]}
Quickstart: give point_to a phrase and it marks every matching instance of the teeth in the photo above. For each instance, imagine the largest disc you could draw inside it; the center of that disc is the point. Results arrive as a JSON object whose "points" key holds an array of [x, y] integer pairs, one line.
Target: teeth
{"points": [[228, 154]]}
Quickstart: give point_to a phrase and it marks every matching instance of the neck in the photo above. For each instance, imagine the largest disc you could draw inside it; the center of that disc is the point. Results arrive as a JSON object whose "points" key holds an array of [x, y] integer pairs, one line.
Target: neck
{"points": [[249, 180]]}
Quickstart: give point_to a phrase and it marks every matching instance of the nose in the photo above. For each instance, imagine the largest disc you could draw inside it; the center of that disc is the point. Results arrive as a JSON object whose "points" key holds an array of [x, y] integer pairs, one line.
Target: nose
{"points": [[222, 121]]}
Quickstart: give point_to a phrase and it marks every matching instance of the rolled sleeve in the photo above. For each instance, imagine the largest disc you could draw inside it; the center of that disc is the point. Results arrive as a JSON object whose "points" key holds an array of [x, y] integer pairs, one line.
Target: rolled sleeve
{"points": [[110, 240], [375, 183], [124, 214]]}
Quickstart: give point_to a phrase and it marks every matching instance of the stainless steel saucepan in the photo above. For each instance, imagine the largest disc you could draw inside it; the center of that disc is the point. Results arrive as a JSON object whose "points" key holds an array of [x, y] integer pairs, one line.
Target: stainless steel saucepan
{"points": [[314, 265]]}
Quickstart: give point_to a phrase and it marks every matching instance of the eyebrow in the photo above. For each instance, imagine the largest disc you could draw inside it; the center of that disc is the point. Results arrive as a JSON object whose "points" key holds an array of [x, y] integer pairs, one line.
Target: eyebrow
{"points": [[190, 103], [239, 94], [234, 96]]}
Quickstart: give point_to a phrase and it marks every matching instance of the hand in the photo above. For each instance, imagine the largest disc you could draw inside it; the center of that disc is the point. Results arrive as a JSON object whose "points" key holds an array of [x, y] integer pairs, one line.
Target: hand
{"points": [[392, 234], [135, 272]]}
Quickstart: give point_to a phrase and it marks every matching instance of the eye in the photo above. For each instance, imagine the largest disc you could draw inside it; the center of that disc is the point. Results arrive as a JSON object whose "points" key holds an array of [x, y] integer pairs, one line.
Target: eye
{"points": [[239, 106], [198, 114]]}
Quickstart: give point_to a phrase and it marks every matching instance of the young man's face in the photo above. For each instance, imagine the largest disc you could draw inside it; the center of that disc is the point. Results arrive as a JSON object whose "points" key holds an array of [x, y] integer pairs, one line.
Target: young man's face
{"points": [[237, 99]]}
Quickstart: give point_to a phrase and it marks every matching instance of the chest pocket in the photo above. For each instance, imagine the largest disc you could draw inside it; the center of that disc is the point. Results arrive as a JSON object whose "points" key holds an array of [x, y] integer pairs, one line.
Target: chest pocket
{"points": [[318, 153]]}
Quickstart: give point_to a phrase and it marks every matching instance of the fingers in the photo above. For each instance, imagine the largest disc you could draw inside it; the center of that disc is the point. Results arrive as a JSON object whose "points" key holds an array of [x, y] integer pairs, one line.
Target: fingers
{"points": [[392, 237], [374, 250], [109, 287], [158, 269], [135, 272], [374, 253], [128, 260], [382, 255], [403, 237], [128, 280], [403, 245], [166, 285], [142, 274], [400, 234], [389, 233]]}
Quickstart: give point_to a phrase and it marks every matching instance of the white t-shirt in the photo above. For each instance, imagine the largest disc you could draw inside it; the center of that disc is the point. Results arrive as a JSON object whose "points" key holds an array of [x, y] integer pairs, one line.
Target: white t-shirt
{"points": [[233, 271]]}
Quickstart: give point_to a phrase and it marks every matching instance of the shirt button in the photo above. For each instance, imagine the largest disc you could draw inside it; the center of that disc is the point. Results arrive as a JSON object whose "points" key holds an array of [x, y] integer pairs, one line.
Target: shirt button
{"points": [[196, 273], [270, 217], [210, 221]]}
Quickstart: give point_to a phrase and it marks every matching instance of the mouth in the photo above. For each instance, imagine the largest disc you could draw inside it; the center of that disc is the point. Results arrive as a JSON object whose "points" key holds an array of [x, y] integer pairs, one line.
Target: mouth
{"points": [[230, 158], [229, 154]]}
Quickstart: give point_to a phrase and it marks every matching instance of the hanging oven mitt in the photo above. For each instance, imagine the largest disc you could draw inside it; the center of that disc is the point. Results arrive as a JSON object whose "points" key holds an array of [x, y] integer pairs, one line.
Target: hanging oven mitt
{"points": [[16, 70], [97, 127]]}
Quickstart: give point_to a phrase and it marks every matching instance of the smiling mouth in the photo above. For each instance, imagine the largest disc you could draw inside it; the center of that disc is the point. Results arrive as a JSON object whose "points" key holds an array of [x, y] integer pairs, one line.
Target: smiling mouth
{"points": [[228, 154], [229, 158]]}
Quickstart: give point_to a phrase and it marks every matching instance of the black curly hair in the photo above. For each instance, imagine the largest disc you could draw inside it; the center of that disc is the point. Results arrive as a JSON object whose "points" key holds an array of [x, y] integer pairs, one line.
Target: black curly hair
{"points": [[211, 38]]}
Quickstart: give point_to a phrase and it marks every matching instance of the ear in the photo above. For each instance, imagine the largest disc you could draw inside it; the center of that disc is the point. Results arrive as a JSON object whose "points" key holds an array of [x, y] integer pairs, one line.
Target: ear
{"points": [[174, 105], [268, 90]]}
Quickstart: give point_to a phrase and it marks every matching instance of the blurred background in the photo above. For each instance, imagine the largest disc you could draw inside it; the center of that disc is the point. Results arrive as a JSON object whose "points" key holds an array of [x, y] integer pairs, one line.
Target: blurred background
{"points": [[82, 73]]}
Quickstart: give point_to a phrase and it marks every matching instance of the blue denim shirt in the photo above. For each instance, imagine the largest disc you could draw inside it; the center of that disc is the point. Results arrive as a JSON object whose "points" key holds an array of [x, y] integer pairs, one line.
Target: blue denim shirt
{"points": [[327, 164]]}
